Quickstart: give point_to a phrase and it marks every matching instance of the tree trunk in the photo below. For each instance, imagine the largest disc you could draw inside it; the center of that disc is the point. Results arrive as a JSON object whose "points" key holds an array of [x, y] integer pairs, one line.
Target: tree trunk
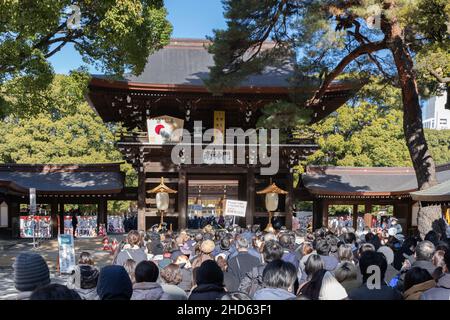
{"points": [[421, 158]]}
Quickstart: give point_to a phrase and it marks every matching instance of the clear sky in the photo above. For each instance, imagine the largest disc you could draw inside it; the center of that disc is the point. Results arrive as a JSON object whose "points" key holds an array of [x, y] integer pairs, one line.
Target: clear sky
{"points": [[189, 18]]}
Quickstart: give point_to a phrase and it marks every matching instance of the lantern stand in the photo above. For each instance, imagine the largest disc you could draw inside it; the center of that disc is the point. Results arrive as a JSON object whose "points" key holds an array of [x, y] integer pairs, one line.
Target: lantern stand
{"points": [[162, 199], [272, 193]]}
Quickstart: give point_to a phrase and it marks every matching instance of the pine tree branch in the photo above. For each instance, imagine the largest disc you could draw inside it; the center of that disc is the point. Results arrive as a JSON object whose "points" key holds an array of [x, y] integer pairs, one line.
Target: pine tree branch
{"points": [[361, 50], [438, 77]]}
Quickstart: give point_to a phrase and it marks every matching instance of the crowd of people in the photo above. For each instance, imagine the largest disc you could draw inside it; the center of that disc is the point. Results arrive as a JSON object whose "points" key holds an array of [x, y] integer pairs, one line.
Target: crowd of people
{"points": [[249, 264]]}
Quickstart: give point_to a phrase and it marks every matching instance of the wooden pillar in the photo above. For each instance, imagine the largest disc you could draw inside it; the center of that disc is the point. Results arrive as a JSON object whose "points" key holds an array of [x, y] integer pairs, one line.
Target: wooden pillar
{"points": [[325, 213], [102, 211], [61, 218], [141, 199], [368, 210], [54, 217], [355, 216], [182, 199], [317, 213], [251, 194], [289, 200]]}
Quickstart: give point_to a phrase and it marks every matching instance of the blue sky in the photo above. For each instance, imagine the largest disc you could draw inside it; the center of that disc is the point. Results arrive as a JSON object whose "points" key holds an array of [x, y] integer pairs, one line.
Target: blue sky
{"points": [[189, 18]]}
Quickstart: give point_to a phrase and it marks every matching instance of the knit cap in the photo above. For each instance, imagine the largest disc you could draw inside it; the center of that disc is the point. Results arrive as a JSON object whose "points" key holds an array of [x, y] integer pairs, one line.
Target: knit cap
{"points": [[30, 271]]}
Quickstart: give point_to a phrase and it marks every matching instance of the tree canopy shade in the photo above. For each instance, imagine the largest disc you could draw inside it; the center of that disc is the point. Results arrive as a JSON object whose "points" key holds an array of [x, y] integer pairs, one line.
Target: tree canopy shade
{"points": [[371, 37], [115, 35]]}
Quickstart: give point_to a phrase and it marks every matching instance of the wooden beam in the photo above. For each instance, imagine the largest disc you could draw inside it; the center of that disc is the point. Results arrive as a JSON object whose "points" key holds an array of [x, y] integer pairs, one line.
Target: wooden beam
{"points": [[182, 199], [141, 200], [289, 200], [355, 216], [251, 194]]}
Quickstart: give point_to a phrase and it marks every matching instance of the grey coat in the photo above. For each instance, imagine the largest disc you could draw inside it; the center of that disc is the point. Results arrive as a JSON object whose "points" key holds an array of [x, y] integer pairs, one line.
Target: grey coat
{"points": [[137, 255], [149, 291], [441, 291]]}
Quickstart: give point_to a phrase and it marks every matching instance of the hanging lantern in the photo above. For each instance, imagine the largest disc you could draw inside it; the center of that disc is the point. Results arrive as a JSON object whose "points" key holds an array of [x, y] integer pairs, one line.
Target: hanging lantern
{"points": [[162, 199], [271, 201], [272, 193]]}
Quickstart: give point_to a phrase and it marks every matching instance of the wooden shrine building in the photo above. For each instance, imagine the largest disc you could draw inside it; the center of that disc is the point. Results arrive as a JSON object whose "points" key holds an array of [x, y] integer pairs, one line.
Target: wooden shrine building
{"points": [[57, 185], [172, 87], [367, 186]]}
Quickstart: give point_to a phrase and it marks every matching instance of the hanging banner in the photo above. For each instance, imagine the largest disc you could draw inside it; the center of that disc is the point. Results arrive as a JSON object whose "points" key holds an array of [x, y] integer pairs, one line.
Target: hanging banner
{"points": [[86, 227], [219, 125], [235, 208], [66, 253], [161, 130], [41, 225]]}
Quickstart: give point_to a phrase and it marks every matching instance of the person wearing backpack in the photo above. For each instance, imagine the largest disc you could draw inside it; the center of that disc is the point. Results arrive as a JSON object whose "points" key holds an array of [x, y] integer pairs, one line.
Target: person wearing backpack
{"points": [[252, 281]]}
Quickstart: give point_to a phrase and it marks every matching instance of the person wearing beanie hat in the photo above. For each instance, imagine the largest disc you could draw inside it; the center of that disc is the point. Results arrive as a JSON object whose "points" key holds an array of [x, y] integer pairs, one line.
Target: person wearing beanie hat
{"points": [[209, 282], [30, 272], [114, 284], [331, 289]]}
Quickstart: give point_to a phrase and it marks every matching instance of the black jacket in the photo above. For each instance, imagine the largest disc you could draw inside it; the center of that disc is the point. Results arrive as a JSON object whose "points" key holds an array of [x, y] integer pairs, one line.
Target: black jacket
{"points": [[207, 292], [384, 293], [241, 264]]}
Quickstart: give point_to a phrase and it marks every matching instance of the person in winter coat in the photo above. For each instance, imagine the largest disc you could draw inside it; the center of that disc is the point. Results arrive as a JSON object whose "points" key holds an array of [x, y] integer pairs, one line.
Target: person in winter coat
{"points": [[323, 249], [84, 278], [289, 255], [391, 272], [186, 272], [346, 275], [243, 262], [371, 258], [54, 292], [206, 248], [114, 284], [442, 289], [30, 272], [417, 281], [146, 287], [131, 250], [172, 277], [423, 259], [278, 278], [209, 282], [253, 280], [229, 279]]}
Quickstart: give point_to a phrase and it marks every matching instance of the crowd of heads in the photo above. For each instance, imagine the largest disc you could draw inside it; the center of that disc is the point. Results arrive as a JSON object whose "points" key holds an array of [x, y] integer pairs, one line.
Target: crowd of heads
{"points": [[246, 263]]}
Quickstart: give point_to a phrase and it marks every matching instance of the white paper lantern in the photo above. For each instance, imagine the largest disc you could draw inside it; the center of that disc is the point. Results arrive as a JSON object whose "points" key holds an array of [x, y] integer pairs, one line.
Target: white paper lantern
{"points": [[162, 201], [271, 201]]}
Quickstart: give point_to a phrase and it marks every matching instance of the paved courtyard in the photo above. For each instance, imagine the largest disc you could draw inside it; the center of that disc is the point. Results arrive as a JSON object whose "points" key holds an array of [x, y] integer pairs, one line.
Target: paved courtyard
{"points": [[9, 249]]}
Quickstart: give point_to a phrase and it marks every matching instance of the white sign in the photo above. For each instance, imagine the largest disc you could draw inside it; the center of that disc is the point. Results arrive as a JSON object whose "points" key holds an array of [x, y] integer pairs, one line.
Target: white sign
{"points": [[217, 156], [32, 200], [235, 208], [66, 253]]}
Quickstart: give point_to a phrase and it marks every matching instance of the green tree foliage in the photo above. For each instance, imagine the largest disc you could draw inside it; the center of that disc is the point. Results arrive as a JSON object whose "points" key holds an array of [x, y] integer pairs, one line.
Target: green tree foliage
{"points": [[334, 38], [66, 131], [368, 131], [116, 35]]}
